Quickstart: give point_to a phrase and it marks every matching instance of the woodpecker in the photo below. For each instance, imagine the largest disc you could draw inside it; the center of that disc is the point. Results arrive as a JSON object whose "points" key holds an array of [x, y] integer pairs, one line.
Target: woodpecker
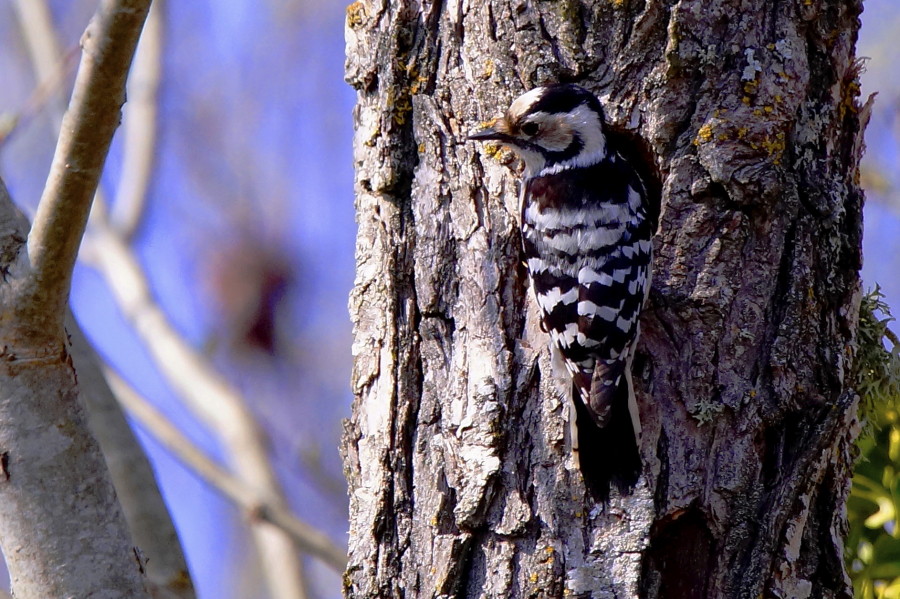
{"points": [[586, 238]]}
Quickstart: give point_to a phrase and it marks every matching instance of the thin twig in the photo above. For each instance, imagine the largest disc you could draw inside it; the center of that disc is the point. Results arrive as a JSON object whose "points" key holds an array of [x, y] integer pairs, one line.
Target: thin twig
{"points": [[50, 65], [307, 538], [139, 127], [45, 51], [43, 95]]}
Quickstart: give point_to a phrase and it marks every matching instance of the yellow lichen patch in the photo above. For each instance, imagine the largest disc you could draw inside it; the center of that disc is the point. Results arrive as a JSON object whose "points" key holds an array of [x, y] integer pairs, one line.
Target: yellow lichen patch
{"points": [[742, 132], [399, 106], [746, 100], [417, 84], [416, 80], [488, 69], [376, 133], [421, 148], [775, 146], [498, 152], [704, 134], [487, 124], [618, 3], [356, 14], [848, 101]]}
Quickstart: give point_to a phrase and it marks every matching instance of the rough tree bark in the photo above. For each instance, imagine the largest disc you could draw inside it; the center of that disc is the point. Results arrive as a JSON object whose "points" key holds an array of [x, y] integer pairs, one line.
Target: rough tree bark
{"points": [[460, 477]]}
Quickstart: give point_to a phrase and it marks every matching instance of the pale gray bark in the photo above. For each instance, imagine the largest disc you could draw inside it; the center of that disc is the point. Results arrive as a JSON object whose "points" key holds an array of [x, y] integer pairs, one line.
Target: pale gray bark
{"points": [[62, 530], [457, 454], [148, 518], [151, 526]]}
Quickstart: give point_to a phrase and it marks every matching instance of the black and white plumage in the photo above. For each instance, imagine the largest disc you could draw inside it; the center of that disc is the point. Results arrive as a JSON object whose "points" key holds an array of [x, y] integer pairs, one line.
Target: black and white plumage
{"points": [[587, 241]]}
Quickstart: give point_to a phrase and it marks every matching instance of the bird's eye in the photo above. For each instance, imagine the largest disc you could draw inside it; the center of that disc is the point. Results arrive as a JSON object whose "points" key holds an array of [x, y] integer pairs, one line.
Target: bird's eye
{"points": [[530, 128]]}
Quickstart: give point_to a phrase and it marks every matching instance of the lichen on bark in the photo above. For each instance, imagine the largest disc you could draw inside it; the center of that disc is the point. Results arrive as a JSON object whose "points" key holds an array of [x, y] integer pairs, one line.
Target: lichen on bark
{"points": [[457, 455]]}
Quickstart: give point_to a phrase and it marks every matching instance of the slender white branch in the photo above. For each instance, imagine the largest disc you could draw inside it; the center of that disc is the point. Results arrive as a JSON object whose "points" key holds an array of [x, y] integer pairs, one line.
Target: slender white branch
{"points": [[139, 127], [44, 48], [148, 518], [307, 538], [207, 394]]}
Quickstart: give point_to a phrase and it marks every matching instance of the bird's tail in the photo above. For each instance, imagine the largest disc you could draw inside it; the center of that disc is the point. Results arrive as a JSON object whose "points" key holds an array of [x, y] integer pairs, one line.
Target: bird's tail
{"points": [[607, 447]]}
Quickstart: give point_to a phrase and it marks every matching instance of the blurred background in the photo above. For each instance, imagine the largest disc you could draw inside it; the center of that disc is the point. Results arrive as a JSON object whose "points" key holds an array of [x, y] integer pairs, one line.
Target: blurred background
{"points": [[245, 232]]}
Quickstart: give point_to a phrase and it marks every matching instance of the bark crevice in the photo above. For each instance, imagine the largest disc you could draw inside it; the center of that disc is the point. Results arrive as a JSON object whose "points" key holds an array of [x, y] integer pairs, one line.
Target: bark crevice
{"points": [[749, 114]]}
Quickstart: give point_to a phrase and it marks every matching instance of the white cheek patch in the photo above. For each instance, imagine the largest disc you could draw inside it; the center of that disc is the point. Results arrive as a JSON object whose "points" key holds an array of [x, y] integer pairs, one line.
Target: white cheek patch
{"points": [[587, 125], [555, 132]]}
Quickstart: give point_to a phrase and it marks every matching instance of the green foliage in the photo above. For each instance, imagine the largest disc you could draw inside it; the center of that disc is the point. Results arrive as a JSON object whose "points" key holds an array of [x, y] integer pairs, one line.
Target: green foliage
{"points": [[877, 369], [873, 543]]}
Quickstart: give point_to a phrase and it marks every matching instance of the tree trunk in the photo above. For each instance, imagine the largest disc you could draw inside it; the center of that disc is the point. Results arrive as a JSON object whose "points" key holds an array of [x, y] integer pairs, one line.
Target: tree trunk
{"points": [[457, 453]]}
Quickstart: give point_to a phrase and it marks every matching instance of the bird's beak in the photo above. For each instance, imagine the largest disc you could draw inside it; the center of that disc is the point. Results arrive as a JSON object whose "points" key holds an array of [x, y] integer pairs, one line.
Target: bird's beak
{"points": [[484, 134], [493, 130]]}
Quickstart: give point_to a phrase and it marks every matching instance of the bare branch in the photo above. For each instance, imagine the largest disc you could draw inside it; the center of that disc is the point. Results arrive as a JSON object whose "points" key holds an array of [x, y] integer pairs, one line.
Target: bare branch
{"points": [[892, 336], [87, 129], [61, 525], [146, 512], [307, 538], [147, 515], [206, 393], [45, 51], [140, 127]]}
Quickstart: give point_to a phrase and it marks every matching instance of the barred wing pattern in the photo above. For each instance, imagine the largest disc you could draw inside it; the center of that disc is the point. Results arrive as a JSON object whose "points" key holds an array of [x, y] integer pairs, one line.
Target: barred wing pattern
{"points": [[586, 240]]}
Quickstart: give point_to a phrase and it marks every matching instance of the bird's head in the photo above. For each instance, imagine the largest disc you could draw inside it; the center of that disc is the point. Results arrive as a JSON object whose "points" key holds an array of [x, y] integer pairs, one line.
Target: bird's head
{"points": [[551, 128]]}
